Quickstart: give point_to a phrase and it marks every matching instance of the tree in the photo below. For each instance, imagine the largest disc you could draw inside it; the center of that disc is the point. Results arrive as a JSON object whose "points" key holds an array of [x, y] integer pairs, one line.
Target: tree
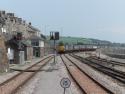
{"points": [[61, 43]]}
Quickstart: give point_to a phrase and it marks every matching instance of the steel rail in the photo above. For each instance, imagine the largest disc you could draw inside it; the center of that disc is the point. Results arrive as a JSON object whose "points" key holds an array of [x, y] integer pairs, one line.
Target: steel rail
{"points": [[119, 76], [109, 61], [72, 75], [88, 76], [21, 74]]}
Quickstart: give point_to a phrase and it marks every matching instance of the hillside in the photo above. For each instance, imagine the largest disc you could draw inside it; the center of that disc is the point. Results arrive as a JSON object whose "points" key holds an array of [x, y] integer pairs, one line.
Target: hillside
{"points": [[79, 40], [74, 40]]}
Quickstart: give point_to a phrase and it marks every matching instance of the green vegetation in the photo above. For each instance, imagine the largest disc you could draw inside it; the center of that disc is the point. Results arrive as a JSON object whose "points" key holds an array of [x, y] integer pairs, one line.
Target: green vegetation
{"points": [[61, 43], [79, 40], [74, 40]]}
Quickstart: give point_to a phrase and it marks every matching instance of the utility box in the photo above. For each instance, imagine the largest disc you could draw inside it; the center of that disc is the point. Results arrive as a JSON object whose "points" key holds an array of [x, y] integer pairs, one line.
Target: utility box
{"points": [[21, 57]]}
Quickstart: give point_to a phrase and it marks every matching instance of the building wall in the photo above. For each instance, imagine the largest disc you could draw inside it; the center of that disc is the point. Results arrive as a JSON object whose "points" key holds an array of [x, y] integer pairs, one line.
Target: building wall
{"points": [[42, 52], [47, 48], [13, 25], [29, 53], [41, 43], [3, 56]]}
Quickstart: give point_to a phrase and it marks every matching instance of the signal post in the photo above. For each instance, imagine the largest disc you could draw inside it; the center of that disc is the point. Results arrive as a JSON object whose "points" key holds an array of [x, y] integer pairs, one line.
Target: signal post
{"points": [[54, 36]]}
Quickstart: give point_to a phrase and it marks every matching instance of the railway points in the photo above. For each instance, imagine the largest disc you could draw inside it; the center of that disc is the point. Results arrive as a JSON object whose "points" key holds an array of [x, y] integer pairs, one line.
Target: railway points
{"points": [[85, 82], [103, 78], [105, 69], [65, 48], [48, 81], [71, 66]]}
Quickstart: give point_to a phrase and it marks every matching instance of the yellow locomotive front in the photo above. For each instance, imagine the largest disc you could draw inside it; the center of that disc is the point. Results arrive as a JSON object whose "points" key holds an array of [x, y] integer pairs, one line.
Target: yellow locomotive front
{"points": [[61, 47]]}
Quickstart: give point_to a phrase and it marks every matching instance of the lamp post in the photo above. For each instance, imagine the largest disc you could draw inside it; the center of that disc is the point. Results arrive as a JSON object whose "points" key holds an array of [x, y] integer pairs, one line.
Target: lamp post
{"points": [[46, 51]]}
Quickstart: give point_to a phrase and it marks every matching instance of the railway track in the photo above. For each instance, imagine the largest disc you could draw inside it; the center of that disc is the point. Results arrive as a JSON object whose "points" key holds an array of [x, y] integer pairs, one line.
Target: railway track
{"points": [[115, 74], [108, 61], [87, 84], [12, 85]]}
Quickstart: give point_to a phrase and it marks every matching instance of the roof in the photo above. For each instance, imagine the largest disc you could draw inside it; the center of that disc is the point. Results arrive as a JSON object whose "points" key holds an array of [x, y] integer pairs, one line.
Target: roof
{"points": [[23, 42], [33, 28], [42, 36], [26, 42], [34, 37]]}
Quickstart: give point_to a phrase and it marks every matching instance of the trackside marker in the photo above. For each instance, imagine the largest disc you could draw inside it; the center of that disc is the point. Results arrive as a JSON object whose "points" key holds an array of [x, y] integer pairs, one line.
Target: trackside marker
{"points": [[65, 83]]}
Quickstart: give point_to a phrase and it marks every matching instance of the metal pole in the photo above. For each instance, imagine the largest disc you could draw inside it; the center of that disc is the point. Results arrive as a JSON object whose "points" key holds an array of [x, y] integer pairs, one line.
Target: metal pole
{"points": [[19, 51], [54, 50], [64, 90], [99, 52]]}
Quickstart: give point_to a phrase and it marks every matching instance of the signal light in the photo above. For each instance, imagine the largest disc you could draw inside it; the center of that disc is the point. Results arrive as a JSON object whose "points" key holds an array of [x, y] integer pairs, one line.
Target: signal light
{"points": [[51, 36], [54, 35]]}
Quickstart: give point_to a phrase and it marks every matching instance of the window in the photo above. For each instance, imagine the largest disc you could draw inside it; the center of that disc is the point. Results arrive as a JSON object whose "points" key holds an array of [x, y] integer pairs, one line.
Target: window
{"points": [[35, 43]]}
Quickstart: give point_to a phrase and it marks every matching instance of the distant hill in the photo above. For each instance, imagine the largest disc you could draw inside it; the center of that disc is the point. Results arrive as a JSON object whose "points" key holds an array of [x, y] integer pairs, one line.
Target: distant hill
{"points": [[79, 40], [74, 40]]}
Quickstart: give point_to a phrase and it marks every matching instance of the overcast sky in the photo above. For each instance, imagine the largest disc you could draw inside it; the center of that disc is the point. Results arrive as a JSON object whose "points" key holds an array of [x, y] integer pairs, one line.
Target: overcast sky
{"points": [[100, 19]]}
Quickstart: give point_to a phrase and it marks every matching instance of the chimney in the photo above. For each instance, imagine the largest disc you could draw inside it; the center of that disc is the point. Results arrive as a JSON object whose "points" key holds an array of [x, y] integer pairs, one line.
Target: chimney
{"points": [[3, 12], [11, 19], [20, 20], [10, 14], [13, 14], [30, 23], [16, 19], [24, 22]]}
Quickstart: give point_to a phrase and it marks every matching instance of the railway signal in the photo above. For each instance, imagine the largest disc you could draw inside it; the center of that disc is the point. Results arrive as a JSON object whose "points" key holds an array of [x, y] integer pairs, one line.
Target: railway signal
{"points": [[54, 36]]}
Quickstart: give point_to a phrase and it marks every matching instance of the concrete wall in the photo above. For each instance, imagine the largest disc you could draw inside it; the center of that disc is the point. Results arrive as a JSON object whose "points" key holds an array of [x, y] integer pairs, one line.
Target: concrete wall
{"points": [[114, 52]]}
